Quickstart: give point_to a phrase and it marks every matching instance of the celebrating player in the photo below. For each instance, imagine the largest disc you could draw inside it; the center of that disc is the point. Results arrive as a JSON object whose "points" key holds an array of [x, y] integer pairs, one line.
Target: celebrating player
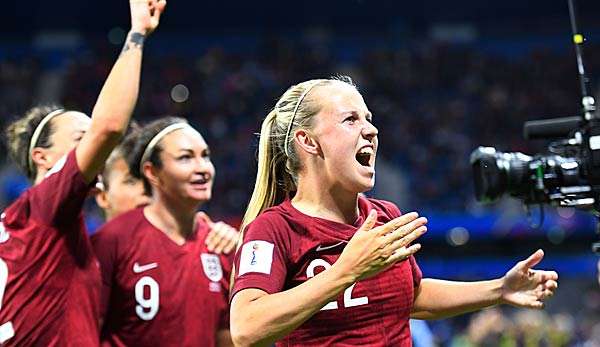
{"points": [[49, 279], [161, 284], [121, 192], [321, 265]]}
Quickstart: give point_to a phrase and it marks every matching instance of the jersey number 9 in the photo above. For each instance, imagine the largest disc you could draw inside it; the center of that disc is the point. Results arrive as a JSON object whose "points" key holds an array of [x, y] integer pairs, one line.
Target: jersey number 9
{"points": [[147, 307]]}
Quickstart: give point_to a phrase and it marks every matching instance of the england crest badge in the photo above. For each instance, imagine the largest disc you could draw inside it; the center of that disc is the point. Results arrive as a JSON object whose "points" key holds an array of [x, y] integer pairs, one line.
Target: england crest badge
{"points": [[211, 264]]}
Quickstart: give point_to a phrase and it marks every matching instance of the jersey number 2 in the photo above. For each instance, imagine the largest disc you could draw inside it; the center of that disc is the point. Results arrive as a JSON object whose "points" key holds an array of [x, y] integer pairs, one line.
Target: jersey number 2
{"points": [[349, 301], [6, 329], [146, 308]]}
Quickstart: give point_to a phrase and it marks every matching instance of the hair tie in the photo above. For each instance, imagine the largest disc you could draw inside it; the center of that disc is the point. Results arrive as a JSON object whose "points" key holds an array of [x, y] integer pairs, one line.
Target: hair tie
{"points": [[289, 129], [150, 147], [38, 131]]}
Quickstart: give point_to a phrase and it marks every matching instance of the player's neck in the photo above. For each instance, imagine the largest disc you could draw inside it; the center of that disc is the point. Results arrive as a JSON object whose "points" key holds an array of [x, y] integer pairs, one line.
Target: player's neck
{"points": [[326, 202], [173, 220], [41, 174]]}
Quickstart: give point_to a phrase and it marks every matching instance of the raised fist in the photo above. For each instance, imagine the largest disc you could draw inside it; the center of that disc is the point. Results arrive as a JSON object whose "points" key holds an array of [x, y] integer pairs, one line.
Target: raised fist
{"points": [[145, 15]]}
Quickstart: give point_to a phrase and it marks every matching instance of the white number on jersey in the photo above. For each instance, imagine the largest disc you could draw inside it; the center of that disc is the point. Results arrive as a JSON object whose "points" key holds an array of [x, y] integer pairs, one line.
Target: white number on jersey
{"points": [[146, 308], [349, 301], [4, 235], [6, 329]]}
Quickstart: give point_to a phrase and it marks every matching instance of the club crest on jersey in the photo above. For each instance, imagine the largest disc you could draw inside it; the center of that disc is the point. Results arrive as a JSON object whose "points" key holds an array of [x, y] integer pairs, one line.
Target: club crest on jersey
{"points": [[211, 264]]}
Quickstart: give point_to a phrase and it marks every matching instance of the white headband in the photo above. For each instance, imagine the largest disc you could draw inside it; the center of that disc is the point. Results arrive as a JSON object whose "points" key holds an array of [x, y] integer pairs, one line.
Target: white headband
{"points": [[38, 131], [289, 129], [150, 147]]}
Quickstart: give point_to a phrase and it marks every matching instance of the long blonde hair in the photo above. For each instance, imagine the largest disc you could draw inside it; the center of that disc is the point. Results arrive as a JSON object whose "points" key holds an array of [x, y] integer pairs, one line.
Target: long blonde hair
{"points": [[278, 162]]}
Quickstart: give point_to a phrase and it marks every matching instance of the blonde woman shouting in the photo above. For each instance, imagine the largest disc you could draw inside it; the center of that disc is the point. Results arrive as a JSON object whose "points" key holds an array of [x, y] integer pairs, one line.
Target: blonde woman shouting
{"points": [[321, 265]]}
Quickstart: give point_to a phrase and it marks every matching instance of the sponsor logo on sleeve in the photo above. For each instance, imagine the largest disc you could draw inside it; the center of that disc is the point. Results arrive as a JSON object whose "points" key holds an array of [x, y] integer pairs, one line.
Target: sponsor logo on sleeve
{"points": [[257, 256], [211, 264]]}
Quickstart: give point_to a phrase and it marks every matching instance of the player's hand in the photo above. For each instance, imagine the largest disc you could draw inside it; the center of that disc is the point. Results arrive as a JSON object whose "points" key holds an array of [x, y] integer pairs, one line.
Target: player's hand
{"points": [[222, 237], [524, 287], [372, 250], [145, 15]]}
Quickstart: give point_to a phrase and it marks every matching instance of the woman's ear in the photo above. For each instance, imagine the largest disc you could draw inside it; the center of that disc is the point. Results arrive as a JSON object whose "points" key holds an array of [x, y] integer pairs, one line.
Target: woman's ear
{"points": [[151, 174], [40, 158], [102, 200], [306, 142]]}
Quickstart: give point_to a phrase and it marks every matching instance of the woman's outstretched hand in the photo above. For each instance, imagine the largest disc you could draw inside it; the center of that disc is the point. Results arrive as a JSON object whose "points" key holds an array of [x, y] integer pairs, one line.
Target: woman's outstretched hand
{"points": [[524, 287]]}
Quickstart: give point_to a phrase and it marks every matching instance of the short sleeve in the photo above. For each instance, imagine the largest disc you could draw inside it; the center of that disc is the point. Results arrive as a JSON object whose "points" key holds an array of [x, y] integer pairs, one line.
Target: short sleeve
{"points": [[59, 197], [105, 246], [261, 261], [417, 275]]}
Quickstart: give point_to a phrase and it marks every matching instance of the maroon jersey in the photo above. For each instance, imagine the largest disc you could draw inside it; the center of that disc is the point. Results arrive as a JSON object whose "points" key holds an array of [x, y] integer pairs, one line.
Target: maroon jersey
{"points": [[283, 248], [49, 278], [158, 293]]}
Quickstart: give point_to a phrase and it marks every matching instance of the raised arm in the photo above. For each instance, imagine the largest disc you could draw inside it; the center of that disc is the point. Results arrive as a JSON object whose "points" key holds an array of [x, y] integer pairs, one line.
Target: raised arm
{"points": [[117, 99], [259, 318], [521, 286]]}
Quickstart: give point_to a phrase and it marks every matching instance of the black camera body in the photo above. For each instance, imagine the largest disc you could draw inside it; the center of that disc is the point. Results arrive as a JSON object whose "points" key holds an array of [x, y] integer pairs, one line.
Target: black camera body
{"points": [[567, 176]]}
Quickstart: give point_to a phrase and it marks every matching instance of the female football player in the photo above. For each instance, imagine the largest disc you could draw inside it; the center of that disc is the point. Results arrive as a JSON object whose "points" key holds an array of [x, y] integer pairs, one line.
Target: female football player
{"points": [[320, 264], [161, 284], [120, 192]]}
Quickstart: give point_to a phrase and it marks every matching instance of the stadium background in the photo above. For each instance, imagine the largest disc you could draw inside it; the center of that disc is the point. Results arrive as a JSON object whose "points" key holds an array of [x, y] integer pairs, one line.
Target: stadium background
{"points": [[440, 77]]}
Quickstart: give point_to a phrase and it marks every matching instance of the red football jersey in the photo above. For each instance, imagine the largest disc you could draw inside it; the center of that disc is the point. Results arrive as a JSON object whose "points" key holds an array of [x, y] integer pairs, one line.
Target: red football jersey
{"points": [[283, 248], [49, 278], [158, 293]]}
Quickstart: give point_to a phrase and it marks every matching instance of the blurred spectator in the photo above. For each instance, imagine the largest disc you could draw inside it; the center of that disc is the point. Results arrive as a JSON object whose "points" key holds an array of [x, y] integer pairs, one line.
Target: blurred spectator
{"points": [[433, 105]]}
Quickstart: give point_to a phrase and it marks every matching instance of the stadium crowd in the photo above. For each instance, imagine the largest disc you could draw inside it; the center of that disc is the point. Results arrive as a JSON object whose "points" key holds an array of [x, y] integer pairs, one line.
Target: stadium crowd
{"points": [[433, 105]]}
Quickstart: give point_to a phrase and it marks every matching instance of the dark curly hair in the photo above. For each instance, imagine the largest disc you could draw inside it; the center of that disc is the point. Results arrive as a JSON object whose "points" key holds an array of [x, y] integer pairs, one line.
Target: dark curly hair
{"points": [[19, 132]]}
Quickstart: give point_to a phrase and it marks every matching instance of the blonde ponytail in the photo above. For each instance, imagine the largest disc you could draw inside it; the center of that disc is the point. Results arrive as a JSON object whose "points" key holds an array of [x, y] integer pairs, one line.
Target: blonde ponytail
{"points": [[265, 189]]}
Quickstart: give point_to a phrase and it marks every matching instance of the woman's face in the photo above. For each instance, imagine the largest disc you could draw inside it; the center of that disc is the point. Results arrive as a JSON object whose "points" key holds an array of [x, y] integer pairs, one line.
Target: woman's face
{"points": [[187, 172], [69, 128], [122, 192], [346, 137]]}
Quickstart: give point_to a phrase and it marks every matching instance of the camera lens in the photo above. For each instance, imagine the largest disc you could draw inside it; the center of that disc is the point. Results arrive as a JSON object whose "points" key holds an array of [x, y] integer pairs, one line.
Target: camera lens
{"points": [[496, 173]]}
